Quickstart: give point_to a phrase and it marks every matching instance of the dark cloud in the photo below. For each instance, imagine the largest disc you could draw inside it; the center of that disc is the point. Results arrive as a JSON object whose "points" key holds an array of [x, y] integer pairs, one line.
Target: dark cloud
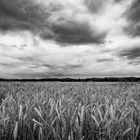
{"points": [[118, 1], [73, 32], [28, 15], [133, 16], [21, 15], [72, 66], [134, 63], [48, 66], [132, 30], [11, 9], [47, 34], [95, 6], [52, 67], [105, 60], [11, 24], [8, 65], [131, 53], [29, 59], [134, 11], [64, 67]]}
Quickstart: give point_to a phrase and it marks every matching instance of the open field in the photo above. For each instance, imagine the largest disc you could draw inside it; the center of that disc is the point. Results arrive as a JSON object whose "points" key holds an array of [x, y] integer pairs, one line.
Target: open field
{"points": [[69, 111]]}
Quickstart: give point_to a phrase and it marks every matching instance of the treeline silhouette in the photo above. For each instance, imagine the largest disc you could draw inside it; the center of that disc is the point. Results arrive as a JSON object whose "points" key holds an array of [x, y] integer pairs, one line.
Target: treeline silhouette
{"points": [[105, 79]]}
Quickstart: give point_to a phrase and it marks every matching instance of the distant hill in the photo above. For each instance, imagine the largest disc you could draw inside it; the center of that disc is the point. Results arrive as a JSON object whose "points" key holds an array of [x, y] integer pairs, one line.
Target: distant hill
{"points": [[104, 79]]}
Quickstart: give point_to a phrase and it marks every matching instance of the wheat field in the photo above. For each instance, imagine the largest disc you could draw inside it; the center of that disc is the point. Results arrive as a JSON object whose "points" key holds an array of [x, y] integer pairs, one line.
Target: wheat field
{"points": [[69, 111]]}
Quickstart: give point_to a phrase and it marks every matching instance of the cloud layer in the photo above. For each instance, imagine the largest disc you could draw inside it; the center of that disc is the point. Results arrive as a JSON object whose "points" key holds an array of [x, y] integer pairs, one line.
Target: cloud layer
{"points": [[21, 15], [28, 15], [133, 16], [56, 38]]}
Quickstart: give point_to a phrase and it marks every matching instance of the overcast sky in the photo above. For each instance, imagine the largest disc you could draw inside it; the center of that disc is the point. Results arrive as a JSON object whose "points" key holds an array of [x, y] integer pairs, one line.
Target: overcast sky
{"points": [[69, 38]]}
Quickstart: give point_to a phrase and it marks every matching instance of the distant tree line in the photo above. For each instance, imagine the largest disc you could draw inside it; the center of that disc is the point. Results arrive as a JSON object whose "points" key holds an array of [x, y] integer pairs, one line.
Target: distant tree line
{"points": [[105, 79]]}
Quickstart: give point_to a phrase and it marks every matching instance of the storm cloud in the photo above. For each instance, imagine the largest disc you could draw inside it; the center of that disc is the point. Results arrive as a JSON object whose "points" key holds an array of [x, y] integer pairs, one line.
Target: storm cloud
{"points": [[28, 15], [117, 1], [77, 33], [21, 15], [133, 17], [95, 5], [104, 60], [130, 53]]}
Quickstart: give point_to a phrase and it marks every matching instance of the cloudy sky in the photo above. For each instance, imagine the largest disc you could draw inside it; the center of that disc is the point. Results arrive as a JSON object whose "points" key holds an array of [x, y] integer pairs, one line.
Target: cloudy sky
{"points": [[69, 38]]}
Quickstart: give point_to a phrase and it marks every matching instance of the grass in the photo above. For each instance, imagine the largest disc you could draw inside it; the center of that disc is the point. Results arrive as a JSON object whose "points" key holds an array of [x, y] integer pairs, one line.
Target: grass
{"points": [[69, 111]]}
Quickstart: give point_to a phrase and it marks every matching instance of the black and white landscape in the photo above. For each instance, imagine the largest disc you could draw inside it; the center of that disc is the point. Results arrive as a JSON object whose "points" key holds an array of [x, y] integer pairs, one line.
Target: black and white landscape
{"points": [[69, 70]]}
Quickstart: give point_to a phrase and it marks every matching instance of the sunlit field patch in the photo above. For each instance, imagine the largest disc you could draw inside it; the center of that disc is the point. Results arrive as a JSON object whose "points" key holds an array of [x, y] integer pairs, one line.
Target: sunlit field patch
{"points": [[69, 111]]}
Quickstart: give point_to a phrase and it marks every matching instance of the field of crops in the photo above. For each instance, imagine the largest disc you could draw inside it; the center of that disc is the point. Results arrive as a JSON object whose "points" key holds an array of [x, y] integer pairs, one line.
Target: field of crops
{"points": [[69, 111]]}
